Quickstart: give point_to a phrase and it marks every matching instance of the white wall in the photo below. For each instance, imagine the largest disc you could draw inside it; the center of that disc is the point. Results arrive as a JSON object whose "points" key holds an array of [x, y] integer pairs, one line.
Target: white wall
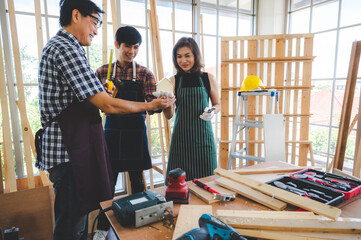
{"points": [[271, 17]]}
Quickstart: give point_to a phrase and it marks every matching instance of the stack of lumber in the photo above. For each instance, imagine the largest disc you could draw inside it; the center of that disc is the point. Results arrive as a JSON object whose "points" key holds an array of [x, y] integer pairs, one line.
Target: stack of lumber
{"points": [[290, 225]]}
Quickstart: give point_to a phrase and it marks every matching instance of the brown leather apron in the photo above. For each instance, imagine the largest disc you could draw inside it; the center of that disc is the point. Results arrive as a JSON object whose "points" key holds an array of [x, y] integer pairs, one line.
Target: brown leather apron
{"points": [[83, 137]]}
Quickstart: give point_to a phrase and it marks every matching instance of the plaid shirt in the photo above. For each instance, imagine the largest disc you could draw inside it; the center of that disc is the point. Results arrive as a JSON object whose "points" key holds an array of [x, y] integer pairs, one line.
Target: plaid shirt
{"points": [[64, 73], [143, 74]]}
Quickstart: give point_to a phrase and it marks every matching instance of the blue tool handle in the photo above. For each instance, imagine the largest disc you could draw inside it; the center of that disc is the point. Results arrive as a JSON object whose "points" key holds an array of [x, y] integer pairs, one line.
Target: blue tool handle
{"points": [[195, 234]]}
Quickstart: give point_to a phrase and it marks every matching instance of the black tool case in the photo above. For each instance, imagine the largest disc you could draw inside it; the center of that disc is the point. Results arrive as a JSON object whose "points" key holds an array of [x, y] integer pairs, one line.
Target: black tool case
{"points": [[348, 186], [323, 194]]}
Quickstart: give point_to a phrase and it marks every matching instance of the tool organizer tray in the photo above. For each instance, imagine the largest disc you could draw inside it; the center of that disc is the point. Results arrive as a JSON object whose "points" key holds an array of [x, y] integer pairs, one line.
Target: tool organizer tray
{"points": [[348, 186], [309, 189]]}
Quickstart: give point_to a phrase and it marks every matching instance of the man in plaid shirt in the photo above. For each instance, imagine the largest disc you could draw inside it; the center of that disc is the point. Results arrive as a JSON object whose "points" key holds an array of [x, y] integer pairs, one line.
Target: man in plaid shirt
{"points": [[66, 82]]}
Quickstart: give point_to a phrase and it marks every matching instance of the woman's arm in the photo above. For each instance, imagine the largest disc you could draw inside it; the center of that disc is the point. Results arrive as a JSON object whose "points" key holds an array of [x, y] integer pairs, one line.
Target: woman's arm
{"points": [[168, 112], [216, 102]]}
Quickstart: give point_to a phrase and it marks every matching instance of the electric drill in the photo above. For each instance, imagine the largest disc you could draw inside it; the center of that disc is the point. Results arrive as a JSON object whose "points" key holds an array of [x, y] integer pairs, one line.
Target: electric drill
{"points": [[177, 190], [212, 228]]}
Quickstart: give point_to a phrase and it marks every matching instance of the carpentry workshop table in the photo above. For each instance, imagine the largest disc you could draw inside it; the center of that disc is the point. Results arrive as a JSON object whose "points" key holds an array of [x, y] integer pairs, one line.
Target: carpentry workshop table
{"points": [[350, 208]]}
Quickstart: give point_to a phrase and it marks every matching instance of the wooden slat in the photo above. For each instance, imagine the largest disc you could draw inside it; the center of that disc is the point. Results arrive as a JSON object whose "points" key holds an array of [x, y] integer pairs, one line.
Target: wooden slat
{"points": [[21, 95], [267, 214], [287, 235], [1, 176], [188, 218], [342, 173], [270, 59], [9, 169], [254, 195], [258, 37], [39, 31], [105, 32], [298, 225], [347, 105], [266, 170], [306, 101], [283, 195], [206, 196], [224, 106], [288, 95], [352, 124], [295, 101]]}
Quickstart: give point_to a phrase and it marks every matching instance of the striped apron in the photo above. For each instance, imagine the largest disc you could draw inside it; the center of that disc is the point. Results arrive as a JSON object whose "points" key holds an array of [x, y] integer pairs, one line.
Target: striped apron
{"points": [[192, 146]]}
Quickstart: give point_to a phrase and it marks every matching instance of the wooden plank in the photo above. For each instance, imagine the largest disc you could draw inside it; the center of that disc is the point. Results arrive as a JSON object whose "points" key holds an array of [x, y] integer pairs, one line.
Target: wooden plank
{"points": [[266, 170], [270, 59], [258, 37], [252, 194], [295, 101], [206, 196], [342, 173], [305, 203], [224, 147], [342, 225], [21, 95], [105, 32], [287, 235], [306, 101], [288, 94], [280, 68], [9, 169], [1, 176], [30, 210], [352, 124], [188, 218], [267, 214], [39, 31]]}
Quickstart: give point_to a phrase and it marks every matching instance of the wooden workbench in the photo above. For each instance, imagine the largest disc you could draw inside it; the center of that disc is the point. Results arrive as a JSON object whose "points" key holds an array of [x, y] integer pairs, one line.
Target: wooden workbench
{"points": [[350, 208]]}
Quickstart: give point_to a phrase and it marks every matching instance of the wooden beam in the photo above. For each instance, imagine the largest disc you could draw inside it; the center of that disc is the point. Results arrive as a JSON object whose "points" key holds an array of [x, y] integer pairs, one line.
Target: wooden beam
{"points": [[342, 173], [258, 37], [341, 225], [254, 195], [21, 95], [9, 169], [105, 32], [283, 195], [347, 105], [267, 214], [39, 31], [266, 170], [1, 176]]}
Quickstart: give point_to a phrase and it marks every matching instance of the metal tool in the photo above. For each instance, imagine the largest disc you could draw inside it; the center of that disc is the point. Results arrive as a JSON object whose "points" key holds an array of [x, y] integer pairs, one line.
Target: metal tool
{"points": [[211, 109], [300, 192], [216, 195], [339, 186]]}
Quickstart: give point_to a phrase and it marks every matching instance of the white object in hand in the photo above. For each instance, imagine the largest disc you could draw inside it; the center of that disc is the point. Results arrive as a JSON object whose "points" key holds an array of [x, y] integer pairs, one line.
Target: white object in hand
{"points": [[208, 114], [163, 94], [165, 85]]}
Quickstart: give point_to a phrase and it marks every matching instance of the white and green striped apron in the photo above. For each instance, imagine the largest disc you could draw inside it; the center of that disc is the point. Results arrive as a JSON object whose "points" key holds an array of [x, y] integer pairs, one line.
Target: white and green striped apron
{"points": [[192, 146]]}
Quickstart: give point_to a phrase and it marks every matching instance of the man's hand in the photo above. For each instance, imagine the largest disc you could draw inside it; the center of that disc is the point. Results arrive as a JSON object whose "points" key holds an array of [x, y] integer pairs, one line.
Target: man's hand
{"points": [[108, 91], [161, 103]]}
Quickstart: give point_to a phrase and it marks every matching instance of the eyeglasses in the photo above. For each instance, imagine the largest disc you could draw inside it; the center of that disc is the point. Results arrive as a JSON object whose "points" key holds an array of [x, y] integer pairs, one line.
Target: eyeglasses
{"points": [[97, 22]]}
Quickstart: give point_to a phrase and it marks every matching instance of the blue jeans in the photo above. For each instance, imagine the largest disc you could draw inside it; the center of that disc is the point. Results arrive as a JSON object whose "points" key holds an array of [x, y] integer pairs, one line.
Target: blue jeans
{"points": [[69, 223]]}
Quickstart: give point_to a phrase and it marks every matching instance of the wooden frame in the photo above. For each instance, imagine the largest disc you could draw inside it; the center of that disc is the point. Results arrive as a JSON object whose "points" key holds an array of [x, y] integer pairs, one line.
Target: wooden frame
{"points": [[278, 61]]}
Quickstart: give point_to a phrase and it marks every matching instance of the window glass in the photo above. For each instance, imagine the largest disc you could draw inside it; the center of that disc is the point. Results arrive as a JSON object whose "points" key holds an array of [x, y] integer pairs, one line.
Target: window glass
{"points": [[350, 12], [299, 21], [245, 25], [209, 57], [228, 19], [321, 98], [53, 7], [135, 16], [296, 4], [323, 48], [183, 17], [24, 6], [164, 12], [209, 20], [324, 16], [228, 4], [245, 6], [347, 36], [167, 46], [209, 3], [26, 29]]}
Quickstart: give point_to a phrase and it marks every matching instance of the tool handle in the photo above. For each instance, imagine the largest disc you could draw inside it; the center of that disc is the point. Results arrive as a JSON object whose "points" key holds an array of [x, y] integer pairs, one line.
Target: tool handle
{"points": [[205, 187]]}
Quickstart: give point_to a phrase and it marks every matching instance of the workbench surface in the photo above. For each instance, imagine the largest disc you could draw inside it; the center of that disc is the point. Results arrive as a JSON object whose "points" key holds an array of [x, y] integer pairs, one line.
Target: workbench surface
{"points": [[350, 208]]}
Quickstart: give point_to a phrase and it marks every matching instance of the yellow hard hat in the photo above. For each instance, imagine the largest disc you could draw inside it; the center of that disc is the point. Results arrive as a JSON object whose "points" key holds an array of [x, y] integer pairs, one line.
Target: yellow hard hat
{"points": [[251, 82]]}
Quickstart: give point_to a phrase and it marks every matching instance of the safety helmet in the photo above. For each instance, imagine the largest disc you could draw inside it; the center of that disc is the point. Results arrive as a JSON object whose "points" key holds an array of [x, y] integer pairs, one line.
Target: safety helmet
{"points": [[251, 82]]}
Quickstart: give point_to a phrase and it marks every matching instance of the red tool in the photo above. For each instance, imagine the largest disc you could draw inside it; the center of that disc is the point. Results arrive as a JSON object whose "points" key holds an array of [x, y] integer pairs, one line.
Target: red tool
{"points": [[216, 195], [205, 187], [177, 190]]}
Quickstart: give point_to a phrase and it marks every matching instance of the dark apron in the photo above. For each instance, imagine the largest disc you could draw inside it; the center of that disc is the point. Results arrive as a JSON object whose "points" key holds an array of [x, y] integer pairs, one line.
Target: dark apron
{"points": [[82, 133], [126, 134], [192, 145]]}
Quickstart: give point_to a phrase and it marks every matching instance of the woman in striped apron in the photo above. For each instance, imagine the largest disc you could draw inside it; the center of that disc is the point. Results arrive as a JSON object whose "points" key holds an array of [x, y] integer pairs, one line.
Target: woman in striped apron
{"points": [[192, 146]]}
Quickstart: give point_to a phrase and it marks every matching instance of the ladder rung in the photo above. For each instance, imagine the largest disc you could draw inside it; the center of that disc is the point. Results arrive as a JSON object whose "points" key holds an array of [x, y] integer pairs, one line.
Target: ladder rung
{"points": [[247, 157], [255, 125]]}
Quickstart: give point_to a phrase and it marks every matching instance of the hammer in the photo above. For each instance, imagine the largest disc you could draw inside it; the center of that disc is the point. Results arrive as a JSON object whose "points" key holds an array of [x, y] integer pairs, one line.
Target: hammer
{"points": [[216, 195]]}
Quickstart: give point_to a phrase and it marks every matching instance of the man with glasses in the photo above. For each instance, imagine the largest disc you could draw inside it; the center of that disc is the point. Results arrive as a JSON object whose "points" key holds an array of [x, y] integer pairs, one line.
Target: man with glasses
{"points": [[73, 148]]}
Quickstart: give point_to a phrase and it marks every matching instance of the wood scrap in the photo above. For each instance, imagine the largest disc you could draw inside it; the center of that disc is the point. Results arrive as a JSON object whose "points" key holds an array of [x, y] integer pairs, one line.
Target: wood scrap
{"points": [[305, 203], [252, 194], [266, 170], [286, 235], [267, 214], [188, 217], [206, 196], [299, 225], [342, 173]]}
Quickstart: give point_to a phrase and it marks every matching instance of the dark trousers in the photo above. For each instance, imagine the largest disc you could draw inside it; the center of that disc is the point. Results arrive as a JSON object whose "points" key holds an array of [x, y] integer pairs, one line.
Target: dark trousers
{"points": [[137, 184], [69, 223]]}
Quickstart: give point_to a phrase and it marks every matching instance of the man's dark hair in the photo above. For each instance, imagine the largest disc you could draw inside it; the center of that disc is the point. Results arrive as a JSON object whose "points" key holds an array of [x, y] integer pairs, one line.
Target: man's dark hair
{"points": [[85, 7], [193, 46], [128, 35]]}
